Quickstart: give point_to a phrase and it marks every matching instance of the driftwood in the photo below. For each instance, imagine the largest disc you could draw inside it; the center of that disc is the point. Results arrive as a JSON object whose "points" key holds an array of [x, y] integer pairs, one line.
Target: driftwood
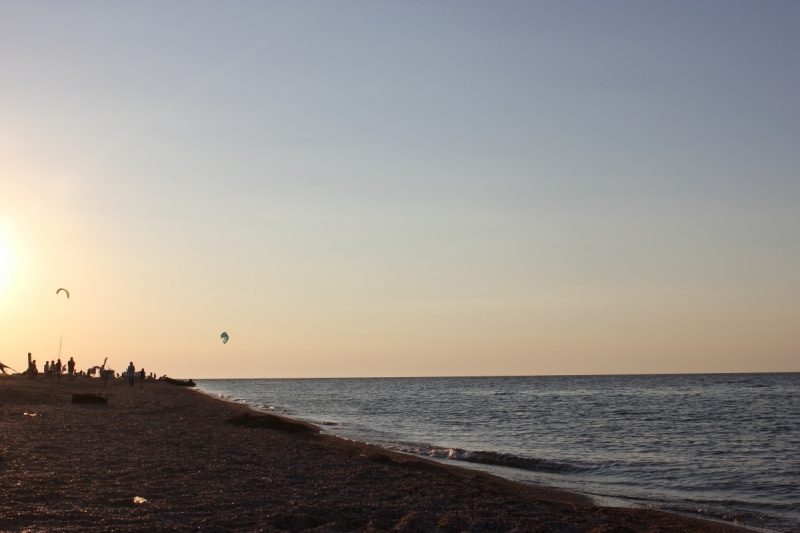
{"points": [[89, 398], [180, 383]]}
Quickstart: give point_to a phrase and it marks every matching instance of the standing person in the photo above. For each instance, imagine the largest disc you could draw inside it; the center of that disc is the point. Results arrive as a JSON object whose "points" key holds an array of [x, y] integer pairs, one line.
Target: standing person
{"points": [[33, 370], [46, 370], [142, 375], [131, 374], [58, 370], [71, 369]]}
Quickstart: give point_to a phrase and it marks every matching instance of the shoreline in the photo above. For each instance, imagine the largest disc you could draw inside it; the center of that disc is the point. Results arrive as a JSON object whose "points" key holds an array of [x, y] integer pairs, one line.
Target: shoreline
{"points": [[588, 499], [591, 499], [77, 467]]}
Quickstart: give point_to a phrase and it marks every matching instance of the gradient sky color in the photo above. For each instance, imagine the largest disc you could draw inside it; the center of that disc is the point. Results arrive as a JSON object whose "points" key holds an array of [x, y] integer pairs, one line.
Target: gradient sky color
{"points": [[401, 188]]}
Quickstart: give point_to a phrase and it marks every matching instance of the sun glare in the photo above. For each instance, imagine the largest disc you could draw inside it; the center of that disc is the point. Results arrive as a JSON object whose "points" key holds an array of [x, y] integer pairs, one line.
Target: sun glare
{"points": [[5, 264]]}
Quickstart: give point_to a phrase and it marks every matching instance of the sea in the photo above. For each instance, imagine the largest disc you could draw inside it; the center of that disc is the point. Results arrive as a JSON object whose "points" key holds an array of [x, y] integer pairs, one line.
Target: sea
{"points": [[719, 446]]}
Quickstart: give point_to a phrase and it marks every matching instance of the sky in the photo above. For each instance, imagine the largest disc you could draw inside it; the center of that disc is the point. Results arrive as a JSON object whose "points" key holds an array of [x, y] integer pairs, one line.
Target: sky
{"points": [[359, 189]]}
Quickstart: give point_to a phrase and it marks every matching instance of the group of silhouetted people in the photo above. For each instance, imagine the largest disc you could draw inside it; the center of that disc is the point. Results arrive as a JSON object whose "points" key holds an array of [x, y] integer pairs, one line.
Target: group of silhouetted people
{"points": [[54, 369]]}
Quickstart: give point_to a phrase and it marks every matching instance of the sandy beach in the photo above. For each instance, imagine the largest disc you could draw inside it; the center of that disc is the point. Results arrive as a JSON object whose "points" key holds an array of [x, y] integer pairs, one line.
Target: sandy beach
{"points": [[72, 467]]}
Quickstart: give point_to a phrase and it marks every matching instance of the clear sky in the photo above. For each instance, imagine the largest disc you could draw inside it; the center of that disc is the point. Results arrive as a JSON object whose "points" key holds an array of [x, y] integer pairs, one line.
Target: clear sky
{"points": [[401, 188]]}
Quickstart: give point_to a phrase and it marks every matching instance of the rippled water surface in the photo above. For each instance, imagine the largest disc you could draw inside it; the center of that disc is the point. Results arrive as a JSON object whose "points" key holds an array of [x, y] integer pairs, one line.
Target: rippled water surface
{"points": [[724, 445]]}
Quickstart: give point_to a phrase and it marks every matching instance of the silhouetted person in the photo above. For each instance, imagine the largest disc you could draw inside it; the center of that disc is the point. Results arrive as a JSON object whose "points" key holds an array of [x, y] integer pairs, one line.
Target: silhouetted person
{"points": [[131, 374], [141, 374], [58, 370], [71, 369], [33, 370], [46, 370]]}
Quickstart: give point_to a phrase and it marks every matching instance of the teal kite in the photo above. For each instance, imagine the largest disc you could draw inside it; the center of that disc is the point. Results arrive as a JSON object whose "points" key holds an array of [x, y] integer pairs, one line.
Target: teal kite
{"points": [[224, 337], [65, 290]]}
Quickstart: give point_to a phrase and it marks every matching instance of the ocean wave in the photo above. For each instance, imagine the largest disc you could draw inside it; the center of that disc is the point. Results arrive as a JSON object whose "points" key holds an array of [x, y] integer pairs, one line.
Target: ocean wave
{"points": [[492, 458], [738, 516]]}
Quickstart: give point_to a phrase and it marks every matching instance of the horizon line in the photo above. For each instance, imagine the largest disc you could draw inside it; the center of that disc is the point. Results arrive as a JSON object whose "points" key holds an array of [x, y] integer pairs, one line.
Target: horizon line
{"points": [[508, 376]]}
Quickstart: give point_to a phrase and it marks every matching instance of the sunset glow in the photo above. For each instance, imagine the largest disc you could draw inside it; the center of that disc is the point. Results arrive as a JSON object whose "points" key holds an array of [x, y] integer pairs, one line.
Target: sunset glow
{"points": [[400, 189], [6, 264]]}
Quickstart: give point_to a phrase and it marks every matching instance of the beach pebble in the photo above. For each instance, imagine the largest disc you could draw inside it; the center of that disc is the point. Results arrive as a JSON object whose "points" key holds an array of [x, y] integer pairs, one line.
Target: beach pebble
{"points": [[139, 499]]}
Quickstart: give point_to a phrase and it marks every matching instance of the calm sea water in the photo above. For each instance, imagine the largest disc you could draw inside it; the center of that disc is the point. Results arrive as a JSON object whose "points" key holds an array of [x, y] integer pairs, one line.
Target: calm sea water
{"points": [[725, 446]]}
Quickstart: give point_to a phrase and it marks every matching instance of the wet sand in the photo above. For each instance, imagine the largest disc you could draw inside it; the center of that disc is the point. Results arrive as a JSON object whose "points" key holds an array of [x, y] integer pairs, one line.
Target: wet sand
{"points": [[73, 467]]}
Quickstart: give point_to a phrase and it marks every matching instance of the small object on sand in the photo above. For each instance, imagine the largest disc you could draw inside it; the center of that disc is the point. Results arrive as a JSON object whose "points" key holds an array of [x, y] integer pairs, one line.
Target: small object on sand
{"points": [[180, 383], [139, 499], [65, 290], [89, 398], [224, 337]]}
